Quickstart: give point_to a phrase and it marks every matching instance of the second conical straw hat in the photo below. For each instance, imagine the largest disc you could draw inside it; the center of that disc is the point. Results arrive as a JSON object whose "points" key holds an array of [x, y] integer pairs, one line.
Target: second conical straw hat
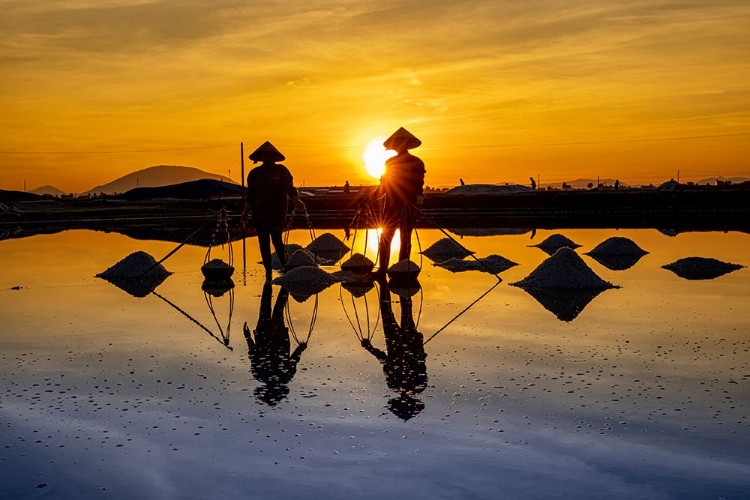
{"points": [[402, 137]]}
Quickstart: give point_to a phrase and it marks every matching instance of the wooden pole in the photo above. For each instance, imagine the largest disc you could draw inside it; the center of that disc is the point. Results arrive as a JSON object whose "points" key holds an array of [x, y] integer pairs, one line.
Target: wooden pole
{"points": [[242, 163]]}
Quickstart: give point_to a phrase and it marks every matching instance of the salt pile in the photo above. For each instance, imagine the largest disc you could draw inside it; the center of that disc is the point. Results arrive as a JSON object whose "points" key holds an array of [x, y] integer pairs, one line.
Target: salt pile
{"points": [[358, 263], [305, 281], [217, 270], [136, 274], [564, 270], [617, 253], [134, 266], [701, 268], [300, 258], [445, 249], [327, 243], [492, 263], [617, 245], [555, 242], [403, 270], [290, 249]]}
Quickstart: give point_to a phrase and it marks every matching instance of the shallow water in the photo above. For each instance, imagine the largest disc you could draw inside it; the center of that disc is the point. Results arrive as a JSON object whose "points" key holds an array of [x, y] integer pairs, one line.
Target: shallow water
{"points": [[644, 393]]}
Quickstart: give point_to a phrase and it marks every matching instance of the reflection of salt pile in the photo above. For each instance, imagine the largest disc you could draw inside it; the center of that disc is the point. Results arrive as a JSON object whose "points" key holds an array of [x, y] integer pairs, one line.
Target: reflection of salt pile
{"points": [[303, 282], [405, 270], [445, 249], [701, 268], [136, 274], [555, 242], [617, 245], [492, 263], [565, 270], [358, 263]]}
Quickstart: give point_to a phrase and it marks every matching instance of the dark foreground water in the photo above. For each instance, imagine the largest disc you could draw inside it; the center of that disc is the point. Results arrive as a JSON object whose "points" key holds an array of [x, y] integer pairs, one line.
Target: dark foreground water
{"points": [[642, 391]]}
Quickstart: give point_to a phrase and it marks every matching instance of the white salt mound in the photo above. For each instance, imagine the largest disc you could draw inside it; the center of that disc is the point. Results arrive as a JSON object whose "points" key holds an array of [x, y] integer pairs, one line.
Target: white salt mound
{"points": [[133, 266], [357, 263], [300, 258], [445, 249], [701, 268], [290, 249], [617, 245], [564, 270], [217, 264], [491, 263], [327, 243], [404, 270], [305, 281], [556, 241]]}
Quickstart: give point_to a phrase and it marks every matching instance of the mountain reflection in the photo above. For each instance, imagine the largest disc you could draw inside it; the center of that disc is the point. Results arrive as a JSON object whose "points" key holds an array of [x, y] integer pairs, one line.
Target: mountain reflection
{"points": [[404, 360], [269, 347]]}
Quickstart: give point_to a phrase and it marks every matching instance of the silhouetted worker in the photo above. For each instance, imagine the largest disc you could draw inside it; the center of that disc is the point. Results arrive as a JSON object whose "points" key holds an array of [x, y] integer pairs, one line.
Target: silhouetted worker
{"points": [[268, 187], [404, 363], [533, 183], [401, 188], [347, 188], [270, 361], [617, 184]]}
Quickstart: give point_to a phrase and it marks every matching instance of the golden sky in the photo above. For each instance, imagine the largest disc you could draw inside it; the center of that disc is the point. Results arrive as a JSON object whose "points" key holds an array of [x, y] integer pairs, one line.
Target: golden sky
{"points": [[497, 91]]}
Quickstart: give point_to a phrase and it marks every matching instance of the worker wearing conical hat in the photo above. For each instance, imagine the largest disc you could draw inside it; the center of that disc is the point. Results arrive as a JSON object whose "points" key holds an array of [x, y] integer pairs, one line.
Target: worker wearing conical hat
{"points": [[401, 188], [268, 188]]}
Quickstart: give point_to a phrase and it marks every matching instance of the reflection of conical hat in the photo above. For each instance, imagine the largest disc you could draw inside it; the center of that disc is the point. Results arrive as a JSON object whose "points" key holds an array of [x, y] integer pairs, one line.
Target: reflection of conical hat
{"points": [[402, 137], [266, 149]]}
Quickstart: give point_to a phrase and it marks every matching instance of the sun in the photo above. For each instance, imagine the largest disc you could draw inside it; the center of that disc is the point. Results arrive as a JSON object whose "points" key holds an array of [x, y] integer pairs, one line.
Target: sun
{"points": [[375, 155]]}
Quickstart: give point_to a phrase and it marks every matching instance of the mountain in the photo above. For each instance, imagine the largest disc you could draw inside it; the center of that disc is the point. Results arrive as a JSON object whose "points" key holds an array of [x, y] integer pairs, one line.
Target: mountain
{"points": [[50, 190], [712, 180], [160, 175]]}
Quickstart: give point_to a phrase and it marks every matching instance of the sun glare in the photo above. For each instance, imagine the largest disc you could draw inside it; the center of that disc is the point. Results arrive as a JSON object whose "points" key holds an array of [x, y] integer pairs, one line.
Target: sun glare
{"points": [[375, 155]]}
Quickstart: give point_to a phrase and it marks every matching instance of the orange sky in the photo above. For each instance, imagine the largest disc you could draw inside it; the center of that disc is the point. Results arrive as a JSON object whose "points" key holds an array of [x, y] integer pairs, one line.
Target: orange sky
{"points": [[497, 90]]}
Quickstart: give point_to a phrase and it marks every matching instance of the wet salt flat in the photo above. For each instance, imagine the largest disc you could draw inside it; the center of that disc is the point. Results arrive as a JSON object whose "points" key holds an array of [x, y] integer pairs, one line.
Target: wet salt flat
{"points": [[641, 391]]}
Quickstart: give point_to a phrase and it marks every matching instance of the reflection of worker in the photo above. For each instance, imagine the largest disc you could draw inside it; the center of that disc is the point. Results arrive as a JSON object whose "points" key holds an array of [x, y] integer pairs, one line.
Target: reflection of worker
{"points": [[268, 187], [269, 355], [401, 186], [404, 363]]}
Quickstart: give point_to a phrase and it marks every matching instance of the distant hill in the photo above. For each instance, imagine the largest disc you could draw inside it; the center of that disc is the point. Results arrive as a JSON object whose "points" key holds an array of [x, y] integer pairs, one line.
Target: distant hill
{"points": [[192, 190], [50, 190], [160, 175], [712, 180], [8, 196]]}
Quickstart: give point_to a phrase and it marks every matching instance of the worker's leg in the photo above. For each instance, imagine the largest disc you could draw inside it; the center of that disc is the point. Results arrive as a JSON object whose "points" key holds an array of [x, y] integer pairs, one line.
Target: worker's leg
{"points": [[278, 245], [264, 242], [384, 248]]}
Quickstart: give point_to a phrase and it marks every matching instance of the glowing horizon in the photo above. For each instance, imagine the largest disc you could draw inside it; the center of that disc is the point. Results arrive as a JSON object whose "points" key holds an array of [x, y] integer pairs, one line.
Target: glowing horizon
{"points": [[497, 91]]}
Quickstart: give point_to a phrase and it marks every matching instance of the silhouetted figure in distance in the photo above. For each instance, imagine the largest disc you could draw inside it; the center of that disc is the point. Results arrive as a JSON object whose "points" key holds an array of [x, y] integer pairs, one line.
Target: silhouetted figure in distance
{"points": [[533, 183]]}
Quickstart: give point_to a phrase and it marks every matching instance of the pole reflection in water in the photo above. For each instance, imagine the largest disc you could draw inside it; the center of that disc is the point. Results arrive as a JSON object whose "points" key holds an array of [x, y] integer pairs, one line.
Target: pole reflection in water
{"points": [[213, 291]]}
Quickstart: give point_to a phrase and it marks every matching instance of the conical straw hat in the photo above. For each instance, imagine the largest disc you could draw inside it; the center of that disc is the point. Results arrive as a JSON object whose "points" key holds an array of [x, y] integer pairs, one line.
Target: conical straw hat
{"points": [[402, 137], [266, 149]]}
